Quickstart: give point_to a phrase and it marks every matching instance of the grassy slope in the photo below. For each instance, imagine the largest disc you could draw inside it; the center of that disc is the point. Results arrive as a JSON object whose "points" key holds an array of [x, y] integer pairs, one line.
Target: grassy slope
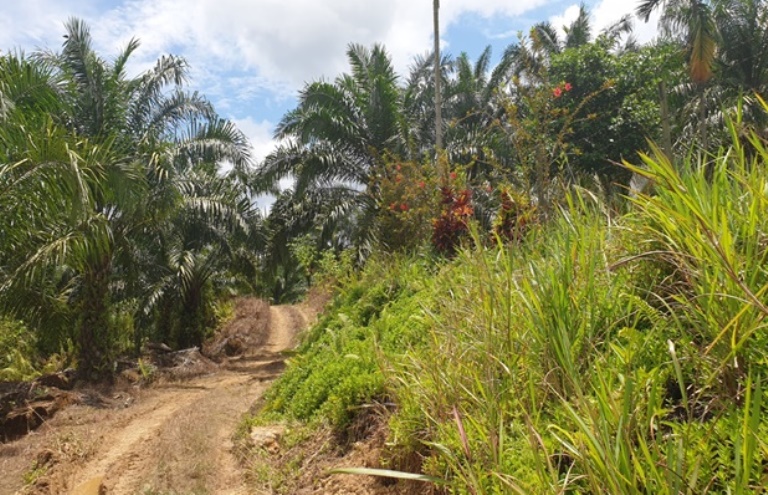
{"points": [[603, 354]]}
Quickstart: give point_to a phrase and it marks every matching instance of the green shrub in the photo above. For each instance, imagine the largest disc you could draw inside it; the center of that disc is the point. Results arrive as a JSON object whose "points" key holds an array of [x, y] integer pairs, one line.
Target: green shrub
{"points": [[602, 354], [19, 359], [338, 368], [595, 354]]}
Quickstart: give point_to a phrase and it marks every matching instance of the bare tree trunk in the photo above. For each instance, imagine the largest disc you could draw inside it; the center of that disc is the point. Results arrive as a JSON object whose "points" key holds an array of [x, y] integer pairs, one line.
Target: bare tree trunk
{"points": [[666, 127], [709, 166], [438, 81]]}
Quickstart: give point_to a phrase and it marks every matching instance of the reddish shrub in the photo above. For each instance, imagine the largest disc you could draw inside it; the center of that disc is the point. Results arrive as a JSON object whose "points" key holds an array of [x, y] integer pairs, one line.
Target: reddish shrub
{"points": [[453, 223]]}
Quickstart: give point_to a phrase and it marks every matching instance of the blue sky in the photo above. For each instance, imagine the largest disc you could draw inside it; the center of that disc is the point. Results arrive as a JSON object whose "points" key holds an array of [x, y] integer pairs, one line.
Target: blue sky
{"points": [[250, 57]]}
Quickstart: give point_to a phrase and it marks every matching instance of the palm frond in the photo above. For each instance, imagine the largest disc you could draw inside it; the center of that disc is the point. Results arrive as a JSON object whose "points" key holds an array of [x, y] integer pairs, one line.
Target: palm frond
{"points": [[646, 7]]}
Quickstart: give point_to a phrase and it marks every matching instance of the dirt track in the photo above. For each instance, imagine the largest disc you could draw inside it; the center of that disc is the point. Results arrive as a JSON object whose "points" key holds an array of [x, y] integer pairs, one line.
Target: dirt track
{"points": [[172, 438]]}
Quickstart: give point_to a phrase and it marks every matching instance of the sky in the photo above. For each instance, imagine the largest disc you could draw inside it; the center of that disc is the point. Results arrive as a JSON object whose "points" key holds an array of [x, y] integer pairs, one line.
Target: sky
{"points": [[251, 57]]}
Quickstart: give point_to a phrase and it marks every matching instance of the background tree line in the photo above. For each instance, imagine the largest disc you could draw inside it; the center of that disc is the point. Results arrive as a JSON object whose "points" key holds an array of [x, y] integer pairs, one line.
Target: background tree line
{"points": [[119, 226], [514, 126]]}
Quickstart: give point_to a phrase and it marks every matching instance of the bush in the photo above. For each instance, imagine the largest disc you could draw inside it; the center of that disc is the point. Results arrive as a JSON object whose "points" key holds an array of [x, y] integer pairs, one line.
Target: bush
{"points": [[19, 359], [338, 365], [604, 355], [409, 203]]}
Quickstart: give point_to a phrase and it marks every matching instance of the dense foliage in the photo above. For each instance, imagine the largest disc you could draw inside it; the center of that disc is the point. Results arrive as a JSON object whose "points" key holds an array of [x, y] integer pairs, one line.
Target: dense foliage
{"points": [[599, 353], [116, 226], [581, 337]]}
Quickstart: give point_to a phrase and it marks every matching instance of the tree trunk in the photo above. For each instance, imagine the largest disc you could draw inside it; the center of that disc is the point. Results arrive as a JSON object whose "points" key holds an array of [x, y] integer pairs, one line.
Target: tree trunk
{"points": [[666, 127], [438, 85], [193, 318], [94, 334], [709, 169]]}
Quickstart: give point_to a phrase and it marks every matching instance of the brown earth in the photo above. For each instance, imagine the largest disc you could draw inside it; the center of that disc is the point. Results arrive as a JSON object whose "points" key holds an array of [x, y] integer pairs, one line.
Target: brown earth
{"points": [[175, 435], [171, 437]]}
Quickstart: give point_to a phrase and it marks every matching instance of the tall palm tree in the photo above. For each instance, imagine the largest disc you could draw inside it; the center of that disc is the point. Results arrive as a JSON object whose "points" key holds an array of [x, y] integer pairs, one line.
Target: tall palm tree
{"points": [[418, 102], [205, 244], [48, 181], [338, 139], [546, 39], [472, 107], [437, 78], [145, 138], [695, 20], [741, 67]]}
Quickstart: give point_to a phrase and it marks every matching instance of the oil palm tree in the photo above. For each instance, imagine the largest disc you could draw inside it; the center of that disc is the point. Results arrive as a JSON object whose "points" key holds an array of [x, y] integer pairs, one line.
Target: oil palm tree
{"points": [[338, 139], [205, 245], [693, 22], [48, 180], [547, 41], [418, 103], [143, 139], [741, 66]]}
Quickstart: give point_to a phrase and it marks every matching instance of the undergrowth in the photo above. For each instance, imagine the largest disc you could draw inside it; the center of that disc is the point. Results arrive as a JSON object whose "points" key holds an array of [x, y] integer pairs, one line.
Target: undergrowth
{"points": [[601, 353], [20, 358], [337, 367]]}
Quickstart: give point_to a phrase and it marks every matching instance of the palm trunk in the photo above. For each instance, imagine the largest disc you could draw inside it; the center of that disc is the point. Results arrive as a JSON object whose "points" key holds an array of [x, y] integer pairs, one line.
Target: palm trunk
{"points": [[666, 127], [94, 335], [542, 180], [703, 143], [193, 319]]}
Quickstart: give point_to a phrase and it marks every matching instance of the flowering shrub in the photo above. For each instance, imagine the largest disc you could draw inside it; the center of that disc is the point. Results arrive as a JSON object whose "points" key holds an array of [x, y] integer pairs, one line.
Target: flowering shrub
{"points": [[540, 122], [564, 87], [455, 213], [408, 203], [516, 215]]}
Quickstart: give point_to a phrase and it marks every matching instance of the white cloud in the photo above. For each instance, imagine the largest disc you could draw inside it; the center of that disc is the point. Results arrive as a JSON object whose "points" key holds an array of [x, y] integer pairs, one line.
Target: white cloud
{"points": [[607, 12], [286, 42], [260, 134], [33, 24], [560, 22], [282, 42]]}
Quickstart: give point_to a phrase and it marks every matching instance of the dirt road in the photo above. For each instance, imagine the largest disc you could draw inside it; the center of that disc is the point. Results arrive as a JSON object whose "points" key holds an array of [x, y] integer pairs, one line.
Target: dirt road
{"points": [[171, 438]]}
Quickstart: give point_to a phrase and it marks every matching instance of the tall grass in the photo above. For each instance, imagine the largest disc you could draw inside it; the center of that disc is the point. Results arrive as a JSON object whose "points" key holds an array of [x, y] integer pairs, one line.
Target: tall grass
{"points": [[600, 354], [604, 355]]}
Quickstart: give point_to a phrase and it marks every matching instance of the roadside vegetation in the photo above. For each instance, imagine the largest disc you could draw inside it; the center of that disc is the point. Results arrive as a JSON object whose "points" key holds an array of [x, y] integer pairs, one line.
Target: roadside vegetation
{"points": [[603, 352], [583, 310]]}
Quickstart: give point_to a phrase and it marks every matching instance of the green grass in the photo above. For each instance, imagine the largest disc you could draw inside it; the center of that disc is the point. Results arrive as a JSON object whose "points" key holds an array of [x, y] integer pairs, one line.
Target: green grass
{"points": [[606, 354], [338, 366], [602, 354], [19, 357]]}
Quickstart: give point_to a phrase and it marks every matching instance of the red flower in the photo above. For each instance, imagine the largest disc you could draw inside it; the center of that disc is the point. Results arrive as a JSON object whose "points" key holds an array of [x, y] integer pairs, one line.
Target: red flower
{"points": [[568, 86], [453, 175], [403, 207], [422, 184], [557, 92], [398, 178], [397, 167]]}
